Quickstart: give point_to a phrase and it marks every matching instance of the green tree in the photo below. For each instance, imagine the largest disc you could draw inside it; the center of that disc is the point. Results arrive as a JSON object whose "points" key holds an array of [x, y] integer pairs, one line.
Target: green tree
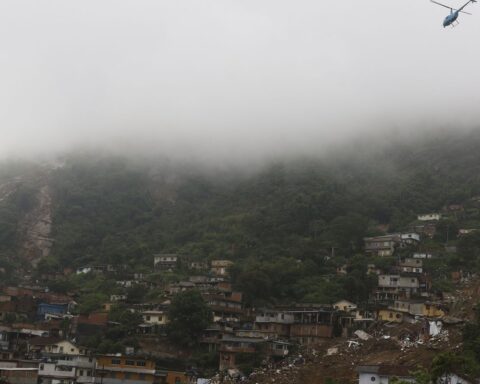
{"points": [[447, 363], [91, 302], [188, 316], [125, 316]]}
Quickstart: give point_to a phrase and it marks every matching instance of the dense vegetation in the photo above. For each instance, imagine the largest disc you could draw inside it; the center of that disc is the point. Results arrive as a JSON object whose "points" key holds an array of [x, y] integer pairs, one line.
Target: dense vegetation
{"points": [[287, 225], [17, 198]]}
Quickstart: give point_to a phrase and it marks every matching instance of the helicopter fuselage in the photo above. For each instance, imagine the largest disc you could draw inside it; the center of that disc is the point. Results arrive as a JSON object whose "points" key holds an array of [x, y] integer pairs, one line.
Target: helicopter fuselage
{"points": [[450, 19]]}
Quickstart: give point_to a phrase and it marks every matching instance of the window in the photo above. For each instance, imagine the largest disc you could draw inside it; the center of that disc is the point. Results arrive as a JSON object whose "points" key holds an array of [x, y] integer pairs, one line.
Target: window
{"points": [[129, 362], [116, 361], [81, 372], [141, 363], [148, 318]]}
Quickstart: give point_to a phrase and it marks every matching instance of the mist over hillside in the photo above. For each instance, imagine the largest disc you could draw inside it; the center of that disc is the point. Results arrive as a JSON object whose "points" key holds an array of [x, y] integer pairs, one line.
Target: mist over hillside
{"points": [[116, 209]]}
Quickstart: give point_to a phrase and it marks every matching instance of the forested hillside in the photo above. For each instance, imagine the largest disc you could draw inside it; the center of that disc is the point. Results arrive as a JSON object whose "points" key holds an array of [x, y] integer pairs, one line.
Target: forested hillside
{"points": [[278, 222]]}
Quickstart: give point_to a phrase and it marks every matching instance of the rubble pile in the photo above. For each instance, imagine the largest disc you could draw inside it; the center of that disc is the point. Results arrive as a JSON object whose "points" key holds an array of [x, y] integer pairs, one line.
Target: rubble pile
{"points": [[388, 344]]}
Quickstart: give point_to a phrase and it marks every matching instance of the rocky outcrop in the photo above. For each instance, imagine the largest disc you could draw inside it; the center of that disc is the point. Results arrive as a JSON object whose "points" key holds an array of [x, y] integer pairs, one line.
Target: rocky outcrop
{"points": [[35, 228]]}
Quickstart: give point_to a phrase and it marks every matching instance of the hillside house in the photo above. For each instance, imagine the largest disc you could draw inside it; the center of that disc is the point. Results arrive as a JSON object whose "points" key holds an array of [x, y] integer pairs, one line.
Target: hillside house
{"points": [[19, 375], [310, 325], [224, 308], [275, 323], [429, 217], [382, 245], [465, 232], [51, 345], [394, 286], [345, 306], [154, 321], [390, 315], [427, 228], [418, 308], [83, 270], [410, 238], [165, 262], [456, 378], [383, 374], [155, 317], [67, 368], [220, 267], [231, 346], [411, 307], [422, 255], [305, 325], [411, 265], [45, 309], [117, 298], [181, 286], [198, 265], [212, 336], [122, 369]]}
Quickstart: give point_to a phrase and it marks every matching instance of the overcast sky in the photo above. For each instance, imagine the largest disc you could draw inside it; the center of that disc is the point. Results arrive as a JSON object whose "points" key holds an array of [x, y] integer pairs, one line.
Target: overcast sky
{"points": [[221, 78]]}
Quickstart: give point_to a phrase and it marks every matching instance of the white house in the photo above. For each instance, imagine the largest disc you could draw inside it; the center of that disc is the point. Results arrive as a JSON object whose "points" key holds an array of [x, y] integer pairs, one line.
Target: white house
{"points": [[166, 261], [155, 317], [83, 270], [383, 374], [66, 369], [345, 305], [420, 255], [429, 217], [64, 347], [453, 378], [410, 238]]}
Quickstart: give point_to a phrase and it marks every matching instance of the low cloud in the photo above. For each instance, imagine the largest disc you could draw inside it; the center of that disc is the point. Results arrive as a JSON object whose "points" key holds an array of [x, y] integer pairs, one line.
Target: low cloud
{"points": [[217, 80]]}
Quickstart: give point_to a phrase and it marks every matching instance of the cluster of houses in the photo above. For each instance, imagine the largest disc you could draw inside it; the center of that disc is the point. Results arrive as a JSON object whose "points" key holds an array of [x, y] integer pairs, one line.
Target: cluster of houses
{"points": [[385, 374], [40, 340], [52, 360]]}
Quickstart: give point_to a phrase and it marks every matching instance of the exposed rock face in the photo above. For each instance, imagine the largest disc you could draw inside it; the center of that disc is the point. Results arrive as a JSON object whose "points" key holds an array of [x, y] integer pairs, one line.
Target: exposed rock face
{"points": [[35, 240]]}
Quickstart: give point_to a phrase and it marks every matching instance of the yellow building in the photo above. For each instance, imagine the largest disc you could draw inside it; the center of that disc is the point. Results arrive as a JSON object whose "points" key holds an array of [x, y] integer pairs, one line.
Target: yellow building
{"points": [[113, 369], [432, 310], [118, 369], [390, 315]]}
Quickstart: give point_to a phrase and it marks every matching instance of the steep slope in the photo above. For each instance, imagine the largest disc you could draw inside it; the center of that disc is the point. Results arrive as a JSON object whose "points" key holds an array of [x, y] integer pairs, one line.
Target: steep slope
{"points": [[25, 217], [35, 227]]}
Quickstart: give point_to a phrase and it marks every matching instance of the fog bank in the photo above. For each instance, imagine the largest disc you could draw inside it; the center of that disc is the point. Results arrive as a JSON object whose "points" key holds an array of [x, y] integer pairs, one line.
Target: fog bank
{"points": [[228, 80]]}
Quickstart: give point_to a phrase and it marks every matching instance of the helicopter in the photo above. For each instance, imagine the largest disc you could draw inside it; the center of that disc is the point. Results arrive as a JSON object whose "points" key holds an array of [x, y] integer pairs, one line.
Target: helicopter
{"points": [[450, 19]]}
